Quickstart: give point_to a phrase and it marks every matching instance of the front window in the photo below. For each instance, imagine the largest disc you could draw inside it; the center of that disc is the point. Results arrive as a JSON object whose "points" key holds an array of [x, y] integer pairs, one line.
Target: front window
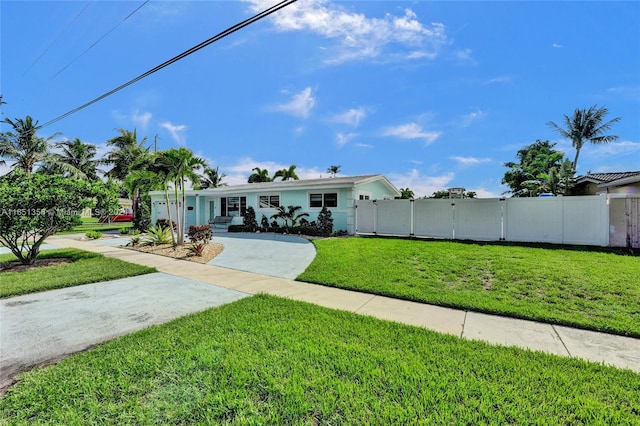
{"points": [[329, 199], [233, 206], [269, 201]]}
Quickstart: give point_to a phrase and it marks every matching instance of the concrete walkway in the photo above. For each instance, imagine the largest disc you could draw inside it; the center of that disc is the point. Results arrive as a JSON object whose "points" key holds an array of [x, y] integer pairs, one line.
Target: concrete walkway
{"points": [[623, 352]]}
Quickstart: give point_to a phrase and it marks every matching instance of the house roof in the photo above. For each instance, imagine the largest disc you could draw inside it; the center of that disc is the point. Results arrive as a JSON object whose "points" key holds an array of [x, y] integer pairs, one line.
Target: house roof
{"points": [[607, 177], [330, 182]]}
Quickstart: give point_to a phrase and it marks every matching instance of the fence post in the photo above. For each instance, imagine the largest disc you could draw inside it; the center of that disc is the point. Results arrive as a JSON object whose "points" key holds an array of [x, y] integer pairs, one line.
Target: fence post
{"points": [[502, 211], [375, 217], [411, 234], [453, 221]]}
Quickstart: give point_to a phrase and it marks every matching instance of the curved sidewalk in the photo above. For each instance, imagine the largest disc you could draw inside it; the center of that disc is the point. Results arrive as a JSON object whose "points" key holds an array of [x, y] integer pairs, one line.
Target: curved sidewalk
{"points": [[619, 351]]}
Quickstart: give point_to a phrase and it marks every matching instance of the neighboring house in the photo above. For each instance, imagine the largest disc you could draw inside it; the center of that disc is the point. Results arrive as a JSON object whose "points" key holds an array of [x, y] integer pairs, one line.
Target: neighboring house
{"points": [[338, 194], [608, 183]]}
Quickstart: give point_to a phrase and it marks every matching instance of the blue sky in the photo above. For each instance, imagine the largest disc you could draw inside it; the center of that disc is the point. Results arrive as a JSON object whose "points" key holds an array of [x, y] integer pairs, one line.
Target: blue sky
{"points": [[430, 94]]}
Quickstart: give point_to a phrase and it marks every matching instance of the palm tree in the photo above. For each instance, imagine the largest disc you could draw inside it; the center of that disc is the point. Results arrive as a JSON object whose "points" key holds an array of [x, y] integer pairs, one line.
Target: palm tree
{"points": [[333, 170], [287, 174], [289, 214], [211, 178], [586, 126], [406, 193], [77, 159], [180, 165], [23, 144], [126, 150], [259, 175]]}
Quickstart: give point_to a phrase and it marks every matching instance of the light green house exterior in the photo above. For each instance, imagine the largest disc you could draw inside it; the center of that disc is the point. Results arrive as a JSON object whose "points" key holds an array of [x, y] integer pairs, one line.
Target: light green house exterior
{"points": [[338, 194]]}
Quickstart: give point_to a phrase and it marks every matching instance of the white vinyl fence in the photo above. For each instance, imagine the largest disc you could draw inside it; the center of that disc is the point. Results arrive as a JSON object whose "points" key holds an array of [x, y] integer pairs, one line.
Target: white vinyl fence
{"points": [[580, 220]]}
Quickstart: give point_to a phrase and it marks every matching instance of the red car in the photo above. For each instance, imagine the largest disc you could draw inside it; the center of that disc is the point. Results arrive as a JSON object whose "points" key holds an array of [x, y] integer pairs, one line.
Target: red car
{"points": [[122, 218]]}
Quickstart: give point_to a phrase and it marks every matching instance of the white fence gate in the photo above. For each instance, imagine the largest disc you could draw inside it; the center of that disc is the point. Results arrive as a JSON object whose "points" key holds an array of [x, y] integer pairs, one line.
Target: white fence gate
{"points": [[560, 220]]}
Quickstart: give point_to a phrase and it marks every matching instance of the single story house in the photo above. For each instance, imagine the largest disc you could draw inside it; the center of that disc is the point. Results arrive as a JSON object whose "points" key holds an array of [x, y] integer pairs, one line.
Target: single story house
{"points": [[608, 183], [338, 194]]}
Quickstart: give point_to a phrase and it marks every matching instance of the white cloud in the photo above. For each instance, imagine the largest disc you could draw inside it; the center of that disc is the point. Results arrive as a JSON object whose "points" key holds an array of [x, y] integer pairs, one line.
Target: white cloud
{"points": [[463, 55], [352, 117], [411, 131], [632, 92], [557, 46], [421, 185], [485, 193], [177, 132], [505, 79], [343, 138], [239, 172], [472, 117], [141, 120], [300, 104], [469, 161], [357, 36], [610, 149]]}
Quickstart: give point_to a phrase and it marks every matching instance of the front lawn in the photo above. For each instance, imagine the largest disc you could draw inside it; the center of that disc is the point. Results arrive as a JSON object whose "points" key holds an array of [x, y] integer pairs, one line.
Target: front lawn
{"points": [[267, 360], [86, 267], [93, 226], [586, 289]]}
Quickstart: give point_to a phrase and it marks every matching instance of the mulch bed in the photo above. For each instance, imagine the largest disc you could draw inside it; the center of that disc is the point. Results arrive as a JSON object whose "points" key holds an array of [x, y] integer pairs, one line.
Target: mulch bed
{"points": [[16, 266]]}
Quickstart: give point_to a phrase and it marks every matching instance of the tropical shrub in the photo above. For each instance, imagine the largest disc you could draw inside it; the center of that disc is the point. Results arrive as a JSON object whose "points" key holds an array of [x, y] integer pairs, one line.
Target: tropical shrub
{"points": [[135, 240], [36, 206], [196, 249], [201, 233], [250, 218], [157, 235], [93, 235], [164, 223], [264, 223], [324, 223]]}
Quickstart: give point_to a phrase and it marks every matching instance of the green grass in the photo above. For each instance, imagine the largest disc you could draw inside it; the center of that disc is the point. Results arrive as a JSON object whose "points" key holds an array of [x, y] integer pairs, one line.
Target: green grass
{"points": [[587, 289], [91, 226], [86, 268], [267, 360]]}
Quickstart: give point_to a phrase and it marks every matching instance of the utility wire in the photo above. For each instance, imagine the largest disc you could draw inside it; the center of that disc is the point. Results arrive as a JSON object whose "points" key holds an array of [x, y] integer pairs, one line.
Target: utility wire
{"points": [[59, 35], [99, 40], [182, 55]]}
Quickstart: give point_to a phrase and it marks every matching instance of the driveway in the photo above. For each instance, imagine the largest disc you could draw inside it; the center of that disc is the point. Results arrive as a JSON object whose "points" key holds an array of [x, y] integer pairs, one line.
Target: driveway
{"points": [[44, 327], [41, 328], [276, 255]]}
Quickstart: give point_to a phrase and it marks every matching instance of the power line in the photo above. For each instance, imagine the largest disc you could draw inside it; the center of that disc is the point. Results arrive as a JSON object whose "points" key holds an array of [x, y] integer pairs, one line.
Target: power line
{"points": [[100, 39], [59, 35], [182, 55]]}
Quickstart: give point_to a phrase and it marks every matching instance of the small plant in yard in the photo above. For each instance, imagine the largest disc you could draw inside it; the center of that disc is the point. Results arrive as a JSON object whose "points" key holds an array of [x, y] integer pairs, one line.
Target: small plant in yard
{"points": [[325, 222], [249, 219], [135, 241], [157, 235], [201, 233], [196, 249], [93, 235], [127, 230], [164, 223], [264, 223]]}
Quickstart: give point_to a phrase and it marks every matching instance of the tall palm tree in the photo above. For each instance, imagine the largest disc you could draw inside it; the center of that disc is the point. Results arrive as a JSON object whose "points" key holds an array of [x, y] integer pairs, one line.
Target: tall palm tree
{"points": [[23, 144], [259, 175], [333, 170], [180, 165], [286, 174], [126, 150], [586, 125], [77, 158], [211, 178]]}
